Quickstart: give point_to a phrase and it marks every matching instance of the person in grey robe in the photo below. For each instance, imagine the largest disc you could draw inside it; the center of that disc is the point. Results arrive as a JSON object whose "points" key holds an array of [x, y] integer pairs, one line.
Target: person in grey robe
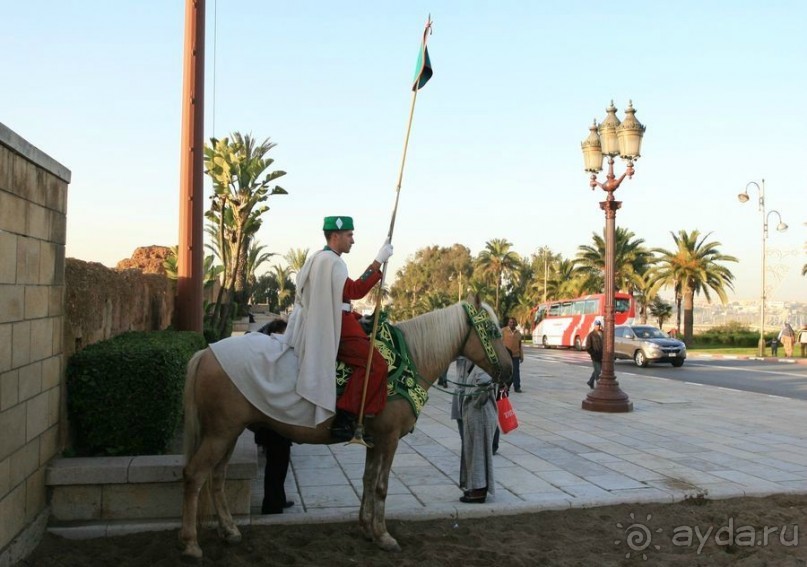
{"points": [[474, 408]]}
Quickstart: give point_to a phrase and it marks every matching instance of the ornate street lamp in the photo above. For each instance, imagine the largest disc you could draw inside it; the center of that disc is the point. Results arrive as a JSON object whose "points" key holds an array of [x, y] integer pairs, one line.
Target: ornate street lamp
{"points": [[781, 227], [611, 139]]}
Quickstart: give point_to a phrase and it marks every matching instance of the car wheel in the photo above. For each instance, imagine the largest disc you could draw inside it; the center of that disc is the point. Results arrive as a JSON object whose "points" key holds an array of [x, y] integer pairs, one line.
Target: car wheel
{"points": [[678, 363], [543, 342], [578, 344], [640, 359]]}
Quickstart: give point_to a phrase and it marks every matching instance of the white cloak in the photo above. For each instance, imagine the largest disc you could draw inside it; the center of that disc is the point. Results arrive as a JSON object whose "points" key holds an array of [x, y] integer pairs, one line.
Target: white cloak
{"points": [[314, 329]]}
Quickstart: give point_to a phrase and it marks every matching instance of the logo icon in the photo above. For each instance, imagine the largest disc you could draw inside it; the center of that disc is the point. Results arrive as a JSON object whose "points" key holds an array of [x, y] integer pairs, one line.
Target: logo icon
{"points": [[638, 536]]}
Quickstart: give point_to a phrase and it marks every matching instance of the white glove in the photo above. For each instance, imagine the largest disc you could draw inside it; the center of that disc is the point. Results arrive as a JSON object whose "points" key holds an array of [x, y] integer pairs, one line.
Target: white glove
{"points": [[384, 253]]}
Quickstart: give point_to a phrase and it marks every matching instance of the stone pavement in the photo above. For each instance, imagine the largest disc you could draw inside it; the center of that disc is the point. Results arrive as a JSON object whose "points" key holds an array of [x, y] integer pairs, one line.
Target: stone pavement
{"points": [[681, 440]]}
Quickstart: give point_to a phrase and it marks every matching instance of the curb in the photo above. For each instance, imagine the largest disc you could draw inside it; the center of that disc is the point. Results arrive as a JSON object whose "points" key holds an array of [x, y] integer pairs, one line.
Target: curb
{"points": [[782, 360]]}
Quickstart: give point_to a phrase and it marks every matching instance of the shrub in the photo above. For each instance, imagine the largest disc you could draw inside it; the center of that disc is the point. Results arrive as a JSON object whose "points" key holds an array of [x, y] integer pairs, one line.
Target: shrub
{"points": [[731, 335], [124, 395]]}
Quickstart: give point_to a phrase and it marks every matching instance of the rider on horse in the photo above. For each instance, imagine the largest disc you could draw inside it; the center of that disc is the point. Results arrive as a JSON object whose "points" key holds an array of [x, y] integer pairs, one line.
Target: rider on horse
{"points": [[324, 324]]}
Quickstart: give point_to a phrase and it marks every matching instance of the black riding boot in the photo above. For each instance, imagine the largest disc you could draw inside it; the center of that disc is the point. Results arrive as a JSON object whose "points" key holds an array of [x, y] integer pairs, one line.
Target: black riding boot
{"points": [[343, 426]]}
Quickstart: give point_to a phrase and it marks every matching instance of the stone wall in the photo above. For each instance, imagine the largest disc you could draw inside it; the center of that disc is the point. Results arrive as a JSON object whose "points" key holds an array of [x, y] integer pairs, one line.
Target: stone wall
{"points": [[33, 202], [101, 303]]}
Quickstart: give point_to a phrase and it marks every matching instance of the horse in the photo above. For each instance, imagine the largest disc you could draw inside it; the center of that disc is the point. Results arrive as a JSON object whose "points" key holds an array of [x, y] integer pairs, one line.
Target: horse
{"points": [[216, 413]]}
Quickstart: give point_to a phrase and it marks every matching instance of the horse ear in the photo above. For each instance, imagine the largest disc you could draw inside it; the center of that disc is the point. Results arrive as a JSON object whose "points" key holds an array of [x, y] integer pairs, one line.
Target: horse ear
{"points": [[473, 299]]}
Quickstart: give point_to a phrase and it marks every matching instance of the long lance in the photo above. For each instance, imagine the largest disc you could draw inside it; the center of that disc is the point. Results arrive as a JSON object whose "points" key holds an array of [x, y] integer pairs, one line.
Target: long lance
{"points": [[358, 435]]}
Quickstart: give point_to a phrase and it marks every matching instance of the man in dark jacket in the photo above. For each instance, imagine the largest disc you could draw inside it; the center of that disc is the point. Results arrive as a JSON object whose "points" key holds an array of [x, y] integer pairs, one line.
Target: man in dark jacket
{"points": [[594, 349]]}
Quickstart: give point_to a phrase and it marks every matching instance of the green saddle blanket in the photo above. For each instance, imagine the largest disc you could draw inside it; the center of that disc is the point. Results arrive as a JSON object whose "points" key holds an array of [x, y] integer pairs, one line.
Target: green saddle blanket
{"points": [[403, 380]]}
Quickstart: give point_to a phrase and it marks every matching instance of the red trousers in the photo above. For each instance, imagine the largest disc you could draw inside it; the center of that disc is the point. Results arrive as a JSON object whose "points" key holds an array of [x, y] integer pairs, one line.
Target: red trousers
{"points": [[354, 346]]}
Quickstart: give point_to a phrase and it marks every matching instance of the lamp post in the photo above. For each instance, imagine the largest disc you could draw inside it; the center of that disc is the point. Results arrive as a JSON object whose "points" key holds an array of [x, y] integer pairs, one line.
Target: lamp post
{"points": [[611, 138], [781, 227], [451, 278]]}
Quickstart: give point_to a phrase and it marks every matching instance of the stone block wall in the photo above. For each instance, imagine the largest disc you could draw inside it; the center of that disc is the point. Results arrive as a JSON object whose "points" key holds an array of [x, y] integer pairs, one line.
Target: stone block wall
{"points": [[33, 204]]}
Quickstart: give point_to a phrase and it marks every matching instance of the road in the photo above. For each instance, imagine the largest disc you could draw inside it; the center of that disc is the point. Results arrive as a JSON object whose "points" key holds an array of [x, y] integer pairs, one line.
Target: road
{"points": [[783, 379]]}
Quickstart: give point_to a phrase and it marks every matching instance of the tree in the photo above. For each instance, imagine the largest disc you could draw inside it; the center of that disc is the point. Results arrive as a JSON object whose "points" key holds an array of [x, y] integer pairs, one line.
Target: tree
{"points": [[694, 265], [522, 312], [498, 262], [255, 257], [210, 270], [631, 261], [285, 287], [265, 291], [296, 258], [543, 264], [431, 269], [435, 300], [241, 186], [568, 280], [661, 310]]}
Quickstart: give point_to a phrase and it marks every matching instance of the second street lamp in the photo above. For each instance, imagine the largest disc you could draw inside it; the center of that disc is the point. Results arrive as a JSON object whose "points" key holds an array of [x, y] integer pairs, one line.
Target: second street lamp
{"points": [[781, 227], [611, 139]]}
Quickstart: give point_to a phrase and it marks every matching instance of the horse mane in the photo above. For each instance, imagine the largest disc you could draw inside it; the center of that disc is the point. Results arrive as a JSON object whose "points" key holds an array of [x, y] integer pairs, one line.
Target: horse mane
{"points": [[434, 336]]}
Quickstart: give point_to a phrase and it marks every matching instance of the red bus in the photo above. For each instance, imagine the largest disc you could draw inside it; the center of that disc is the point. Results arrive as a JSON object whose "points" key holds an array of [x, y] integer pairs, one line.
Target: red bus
{"points": [[567, 322]]}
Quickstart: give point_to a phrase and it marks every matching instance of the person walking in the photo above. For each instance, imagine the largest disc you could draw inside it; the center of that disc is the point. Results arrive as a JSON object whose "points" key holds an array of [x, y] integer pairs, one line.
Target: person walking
{"points": [[803, 340], [474, 408], [594, 350], [787, 337], [511, 337]]}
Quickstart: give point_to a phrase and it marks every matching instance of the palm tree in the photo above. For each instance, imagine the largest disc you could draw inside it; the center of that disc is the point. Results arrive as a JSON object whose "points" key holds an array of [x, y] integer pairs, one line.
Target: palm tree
{"points": [[296, 258], [543, 264], [211, 271], [498, 261], [694, 265], [282, 277], [631, 260], [568, 281], [255, 257], [661, 310], [241, 186], [481, 288], [522, 311]]}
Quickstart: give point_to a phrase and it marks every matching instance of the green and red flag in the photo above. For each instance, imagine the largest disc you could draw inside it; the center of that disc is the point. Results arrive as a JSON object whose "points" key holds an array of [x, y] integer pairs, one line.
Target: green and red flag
{"points": [[423, 69]]}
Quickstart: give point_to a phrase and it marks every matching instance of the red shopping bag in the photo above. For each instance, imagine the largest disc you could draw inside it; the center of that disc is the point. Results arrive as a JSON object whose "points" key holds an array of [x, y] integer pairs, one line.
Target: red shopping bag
{"points": [[507, 415]]}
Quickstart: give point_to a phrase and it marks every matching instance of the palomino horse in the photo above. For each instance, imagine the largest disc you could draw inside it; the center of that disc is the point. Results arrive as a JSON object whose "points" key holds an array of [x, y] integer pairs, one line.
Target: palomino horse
{"points": [[216, 413]]}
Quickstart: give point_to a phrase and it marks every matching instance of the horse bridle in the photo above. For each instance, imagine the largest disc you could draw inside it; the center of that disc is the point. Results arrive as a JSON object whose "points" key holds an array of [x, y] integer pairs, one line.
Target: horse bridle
{"points": [[486, 330]]}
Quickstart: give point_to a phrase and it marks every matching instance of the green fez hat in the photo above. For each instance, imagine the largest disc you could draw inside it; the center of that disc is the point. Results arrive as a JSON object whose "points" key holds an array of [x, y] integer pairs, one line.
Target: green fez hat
{"points": [[338, 223]]}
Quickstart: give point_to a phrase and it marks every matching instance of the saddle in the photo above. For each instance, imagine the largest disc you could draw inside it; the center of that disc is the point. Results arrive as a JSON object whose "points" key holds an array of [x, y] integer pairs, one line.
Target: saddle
{"points": [[403, 380]]}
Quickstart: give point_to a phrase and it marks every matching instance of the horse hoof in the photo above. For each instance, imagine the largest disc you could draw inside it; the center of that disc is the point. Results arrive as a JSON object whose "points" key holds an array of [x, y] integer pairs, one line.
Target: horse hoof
{"points": [[230, 536], [192, 554], [388, 543]]}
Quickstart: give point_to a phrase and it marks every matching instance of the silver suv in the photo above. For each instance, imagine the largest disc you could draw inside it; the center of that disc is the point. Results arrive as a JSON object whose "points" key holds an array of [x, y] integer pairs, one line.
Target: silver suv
{"points": [[645, 344]]}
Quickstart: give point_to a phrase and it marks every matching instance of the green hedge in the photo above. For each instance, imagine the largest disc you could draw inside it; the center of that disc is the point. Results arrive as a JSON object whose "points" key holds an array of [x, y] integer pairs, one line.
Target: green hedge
{"points": [[731, 335], [124, 395]]}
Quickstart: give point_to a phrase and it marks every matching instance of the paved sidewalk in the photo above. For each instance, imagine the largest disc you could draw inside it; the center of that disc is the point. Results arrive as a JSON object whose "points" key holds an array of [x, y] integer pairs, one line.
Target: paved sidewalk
{"points": [[681, 440]]}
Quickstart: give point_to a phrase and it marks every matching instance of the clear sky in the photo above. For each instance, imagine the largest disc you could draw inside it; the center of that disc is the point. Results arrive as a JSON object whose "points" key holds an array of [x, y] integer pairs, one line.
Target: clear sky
{"points": [[495, 146]]}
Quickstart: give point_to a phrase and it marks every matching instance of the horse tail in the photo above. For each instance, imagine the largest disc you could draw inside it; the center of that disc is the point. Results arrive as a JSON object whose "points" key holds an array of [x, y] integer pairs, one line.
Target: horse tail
{"points": [[192, 432]]}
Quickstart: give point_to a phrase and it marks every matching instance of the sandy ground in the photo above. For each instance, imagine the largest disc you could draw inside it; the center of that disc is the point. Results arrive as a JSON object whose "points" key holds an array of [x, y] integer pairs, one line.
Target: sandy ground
{"points": [[694, 532]]}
